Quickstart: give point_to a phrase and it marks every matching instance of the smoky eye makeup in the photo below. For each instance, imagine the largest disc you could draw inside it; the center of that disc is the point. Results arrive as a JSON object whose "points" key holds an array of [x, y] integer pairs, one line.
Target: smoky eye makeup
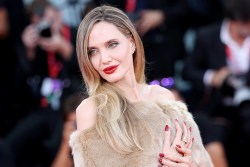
{"points": [[112, 44], [92, 51]]}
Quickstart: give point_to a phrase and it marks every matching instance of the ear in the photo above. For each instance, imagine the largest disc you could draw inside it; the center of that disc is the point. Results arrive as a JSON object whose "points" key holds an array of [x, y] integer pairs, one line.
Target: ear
{"points": [[132, 41]]}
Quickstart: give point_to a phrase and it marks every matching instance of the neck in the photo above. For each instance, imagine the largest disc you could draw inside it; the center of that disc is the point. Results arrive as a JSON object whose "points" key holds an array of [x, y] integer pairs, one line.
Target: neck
{"points": [[130, 89]]}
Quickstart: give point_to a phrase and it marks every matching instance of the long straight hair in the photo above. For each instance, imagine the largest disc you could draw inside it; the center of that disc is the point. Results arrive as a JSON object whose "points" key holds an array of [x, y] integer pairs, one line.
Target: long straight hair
{"points": [[115, 121]]}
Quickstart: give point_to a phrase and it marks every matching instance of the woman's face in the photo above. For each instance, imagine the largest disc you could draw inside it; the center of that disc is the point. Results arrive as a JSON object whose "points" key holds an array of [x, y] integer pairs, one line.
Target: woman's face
{"points": [[110, 52]]}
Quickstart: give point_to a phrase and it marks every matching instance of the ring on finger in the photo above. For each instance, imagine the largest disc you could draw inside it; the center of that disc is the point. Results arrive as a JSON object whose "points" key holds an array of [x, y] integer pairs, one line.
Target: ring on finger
{"points": [[184, 140]]}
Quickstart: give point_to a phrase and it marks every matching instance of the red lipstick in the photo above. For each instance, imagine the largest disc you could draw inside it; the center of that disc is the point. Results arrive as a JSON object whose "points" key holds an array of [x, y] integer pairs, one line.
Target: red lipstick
{"points": [[110, 69]]}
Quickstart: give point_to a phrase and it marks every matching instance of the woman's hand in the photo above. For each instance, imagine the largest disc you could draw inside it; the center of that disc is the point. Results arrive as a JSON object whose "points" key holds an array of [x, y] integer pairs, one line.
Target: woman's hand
{"points": [[178, 154]]}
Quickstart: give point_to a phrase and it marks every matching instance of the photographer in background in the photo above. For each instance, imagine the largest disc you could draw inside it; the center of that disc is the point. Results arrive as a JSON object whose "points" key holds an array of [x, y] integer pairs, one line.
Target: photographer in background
{"points": [[219, 68], [47, 80], [50, 55], [45, 30]]}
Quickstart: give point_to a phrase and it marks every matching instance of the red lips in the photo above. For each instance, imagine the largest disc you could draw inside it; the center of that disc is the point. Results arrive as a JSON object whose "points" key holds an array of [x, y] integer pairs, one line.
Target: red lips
{"points": [[110, 69]]}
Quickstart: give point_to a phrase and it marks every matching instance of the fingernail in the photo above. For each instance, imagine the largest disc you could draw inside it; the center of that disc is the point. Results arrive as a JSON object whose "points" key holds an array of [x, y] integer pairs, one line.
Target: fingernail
{"points": [[178, 146], [166, 128], [161, 155], [190, 129], [160, 160]]}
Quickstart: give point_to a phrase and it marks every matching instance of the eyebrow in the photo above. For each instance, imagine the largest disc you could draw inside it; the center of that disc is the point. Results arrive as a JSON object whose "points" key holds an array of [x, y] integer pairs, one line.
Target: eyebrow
{"points": [[107, 42], [89, 48]]}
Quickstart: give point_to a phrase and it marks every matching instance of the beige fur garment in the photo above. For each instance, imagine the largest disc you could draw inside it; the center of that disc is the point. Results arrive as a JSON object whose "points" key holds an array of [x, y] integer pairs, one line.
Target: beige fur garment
{"points": [[89, 150]]}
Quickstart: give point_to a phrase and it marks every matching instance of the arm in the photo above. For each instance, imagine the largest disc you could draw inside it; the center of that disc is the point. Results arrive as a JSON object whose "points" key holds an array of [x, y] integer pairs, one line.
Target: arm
{"points": [[85, 119], [85, 115]]}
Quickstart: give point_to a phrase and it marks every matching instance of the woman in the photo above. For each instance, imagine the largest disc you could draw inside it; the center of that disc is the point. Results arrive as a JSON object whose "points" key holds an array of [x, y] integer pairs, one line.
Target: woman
{"points": [[122, 122]]}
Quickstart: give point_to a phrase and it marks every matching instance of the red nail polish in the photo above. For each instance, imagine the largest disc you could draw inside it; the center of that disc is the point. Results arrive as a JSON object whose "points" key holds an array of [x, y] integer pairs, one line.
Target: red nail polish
{"points": [[161, 155], [178, 146], [160, 160], [166, 128]]}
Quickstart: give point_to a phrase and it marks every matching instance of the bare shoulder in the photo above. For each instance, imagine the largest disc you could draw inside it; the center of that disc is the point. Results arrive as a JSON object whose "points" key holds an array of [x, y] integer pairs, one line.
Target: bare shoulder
{"points": [[157, 91], [85, 114]]}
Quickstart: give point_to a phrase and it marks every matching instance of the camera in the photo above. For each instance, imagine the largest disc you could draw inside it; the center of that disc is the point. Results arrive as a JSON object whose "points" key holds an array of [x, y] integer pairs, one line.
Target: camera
{"points": [[44, 29]]}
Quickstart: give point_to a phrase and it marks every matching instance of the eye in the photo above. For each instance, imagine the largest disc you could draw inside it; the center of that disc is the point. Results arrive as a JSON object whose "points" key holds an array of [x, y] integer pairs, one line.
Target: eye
{"points": [[92, 52], [112, 44]]}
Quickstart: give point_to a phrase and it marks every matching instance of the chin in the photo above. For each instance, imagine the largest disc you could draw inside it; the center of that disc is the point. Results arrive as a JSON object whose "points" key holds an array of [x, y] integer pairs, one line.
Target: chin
{"points": [[115, 77], [112, 80]]}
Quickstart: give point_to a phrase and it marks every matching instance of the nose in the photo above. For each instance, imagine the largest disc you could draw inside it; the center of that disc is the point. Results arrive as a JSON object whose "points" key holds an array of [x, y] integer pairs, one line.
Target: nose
{"points": [[105, 57]]}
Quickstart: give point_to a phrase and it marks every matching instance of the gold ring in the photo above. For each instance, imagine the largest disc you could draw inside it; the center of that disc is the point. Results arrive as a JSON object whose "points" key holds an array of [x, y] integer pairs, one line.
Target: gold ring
{"points": [[184, 140]]}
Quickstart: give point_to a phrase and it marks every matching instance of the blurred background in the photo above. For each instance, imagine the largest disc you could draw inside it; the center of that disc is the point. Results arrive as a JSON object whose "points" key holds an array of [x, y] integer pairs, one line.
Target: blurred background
{"points": [[198, 49]]}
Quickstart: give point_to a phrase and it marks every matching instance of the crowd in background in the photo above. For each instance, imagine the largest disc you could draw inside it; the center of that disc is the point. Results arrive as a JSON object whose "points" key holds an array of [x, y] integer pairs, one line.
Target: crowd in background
{"points": [[199, 49]]}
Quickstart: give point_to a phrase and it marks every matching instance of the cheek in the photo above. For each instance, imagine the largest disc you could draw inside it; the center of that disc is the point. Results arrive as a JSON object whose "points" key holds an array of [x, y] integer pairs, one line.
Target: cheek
{"points": [[95, 62], [123, 54]]}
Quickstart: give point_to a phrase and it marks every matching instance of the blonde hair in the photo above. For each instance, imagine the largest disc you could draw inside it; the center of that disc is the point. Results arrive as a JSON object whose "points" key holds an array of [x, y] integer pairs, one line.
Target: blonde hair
{"points": [[116, 121]]}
